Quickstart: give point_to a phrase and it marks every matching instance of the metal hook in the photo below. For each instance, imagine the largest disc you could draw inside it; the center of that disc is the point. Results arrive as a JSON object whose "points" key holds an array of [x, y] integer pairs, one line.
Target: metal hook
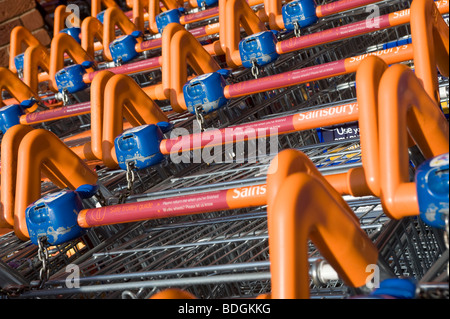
{"points": [[255, 69], [118, 62], [446, 240], [296, 29], [65, 97], [199, 117], [130, 176], [129, 294], [43, 257]]}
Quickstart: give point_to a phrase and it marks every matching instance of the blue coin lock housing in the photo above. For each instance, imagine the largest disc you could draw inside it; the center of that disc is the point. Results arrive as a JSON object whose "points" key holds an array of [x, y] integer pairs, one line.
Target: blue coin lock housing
{"points": [[205, 90], [123, 49], [10, 114], [100, 16], [139, 145], [167, 17], [206, 3], [432, 184], [397, 288], [259, 47], [18, 62], [55, 217], [70, 78], [73, 32], [302, 12]]}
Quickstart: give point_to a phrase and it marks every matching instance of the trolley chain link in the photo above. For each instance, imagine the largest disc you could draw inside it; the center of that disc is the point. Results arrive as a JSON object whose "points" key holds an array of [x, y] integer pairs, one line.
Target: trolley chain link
{"points": [[101, 198], [65, 96], [20, 73], [255, 69], [118, 62], [446, 240], [44, 273], [43, 256], [199, 117], [130, 175], [296, 29]]}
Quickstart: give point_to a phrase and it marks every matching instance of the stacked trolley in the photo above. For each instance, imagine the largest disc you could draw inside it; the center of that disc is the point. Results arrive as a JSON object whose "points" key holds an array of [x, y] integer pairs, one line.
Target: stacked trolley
{"points": [[206, 240]]}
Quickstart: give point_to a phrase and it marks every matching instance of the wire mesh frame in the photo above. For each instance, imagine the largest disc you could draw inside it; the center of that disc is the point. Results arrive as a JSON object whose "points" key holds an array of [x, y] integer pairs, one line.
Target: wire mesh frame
{"points": [[22, 255], [410, 246], [195, 248]]}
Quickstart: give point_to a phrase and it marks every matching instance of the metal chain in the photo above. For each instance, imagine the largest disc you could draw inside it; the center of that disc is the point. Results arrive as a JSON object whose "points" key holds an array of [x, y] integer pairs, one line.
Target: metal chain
{"points": [[101, 199], [65, 97], [296, 29], [446, 240], [255, 69], [199, 117], [43, 257], [15, 290], [118, 62], [446, 232], [130, 181], [130, 175]]}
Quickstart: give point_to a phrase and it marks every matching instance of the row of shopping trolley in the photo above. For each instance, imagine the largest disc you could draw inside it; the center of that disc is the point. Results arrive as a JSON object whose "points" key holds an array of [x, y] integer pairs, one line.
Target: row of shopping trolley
{"points": [[162, 156]]}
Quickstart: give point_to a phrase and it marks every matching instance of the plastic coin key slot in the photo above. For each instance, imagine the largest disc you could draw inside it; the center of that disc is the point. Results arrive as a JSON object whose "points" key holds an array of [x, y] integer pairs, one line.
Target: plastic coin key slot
{"points": [[166, 17], [74, 32], [70, 78], [432, 184], [205, 93], [206, 3], [258, 49], [299, 14], [10, 114], [123, 48], [139, 145], [55, 217]]}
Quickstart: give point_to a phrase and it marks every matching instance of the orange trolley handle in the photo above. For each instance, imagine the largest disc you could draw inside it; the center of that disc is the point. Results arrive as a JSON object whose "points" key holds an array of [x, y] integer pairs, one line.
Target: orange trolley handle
{"points": [[63, 43], [16, 87], [19, 37], [36, 57], [114, 97], [26, 154], [404, 107], [302, 205], [115, 17], [96, 6], [180, 48], [430, 35]]}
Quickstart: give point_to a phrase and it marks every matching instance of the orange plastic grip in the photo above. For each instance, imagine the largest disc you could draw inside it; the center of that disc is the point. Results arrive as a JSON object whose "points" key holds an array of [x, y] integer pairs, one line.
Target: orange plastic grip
{"points": [[430, 35], [405, 108], [14, 86], [40, 150], [302, 206]]}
